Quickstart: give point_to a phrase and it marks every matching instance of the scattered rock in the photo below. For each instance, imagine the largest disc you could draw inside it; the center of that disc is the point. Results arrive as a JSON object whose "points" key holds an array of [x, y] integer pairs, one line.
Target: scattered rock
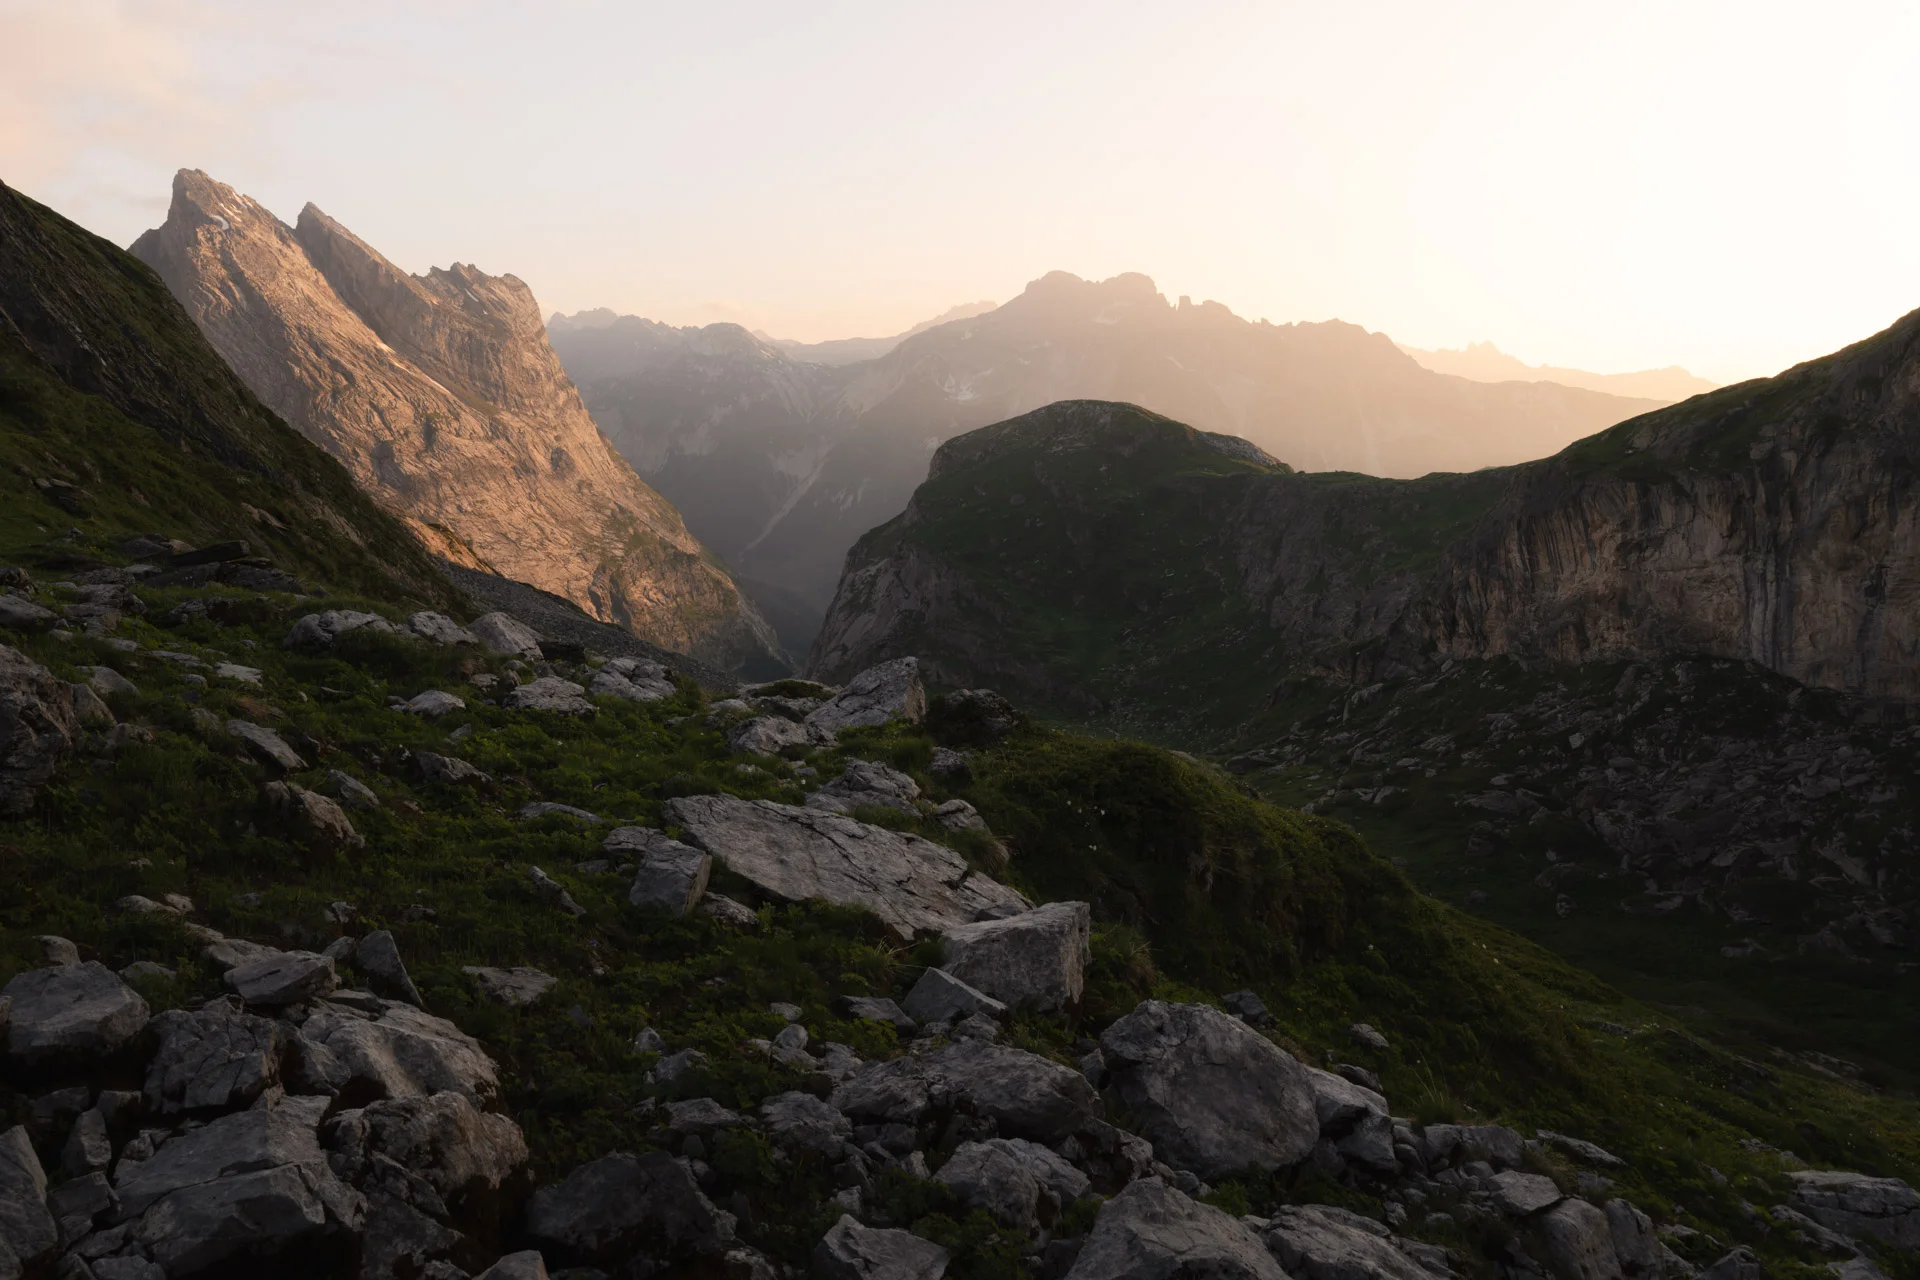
{"points": [[57, 950], [669, 875], [323, 823], [940, 997], [372, 1049], [449, 770], [88, 710], [1036, 960], [552, 694], [501, 632], [214, 1058], [318, 631], [37, 728], [283, 978], [794, 854], [1363, 1034], [724, 910], [610, 1210], [633, 680], [267, 745], [236, 671], [1210, 1093], [378, 957], [148, 971], [547, 887], [70, 1017], [109, 683], [890, 691], [438, 628], [850, 1251], [87, 1149], [1026, 1095], [525, 1265], [877, 1009], [800, 1121], [434, 703], [988, 1176], [1520, 1195], [1248, 1007], [1151, 1231], [1580, 1149], [1852, 1204], [951, 764], [1496, 1144], [867, 782], [353, 792], [511, 987], [769, 736], [548, 809]]}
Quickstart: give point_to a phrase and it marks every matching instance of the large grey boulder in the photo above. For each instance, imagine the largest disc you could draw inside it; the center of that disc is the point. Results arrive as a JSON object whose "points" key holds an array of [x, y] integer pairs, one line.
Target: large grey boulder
{"points": [[525, 1265], [609, 1210], [800, 1121], [374, 1049], [551, 694], [438, 628], [28, 1233], [1857, 1205], [17, 613], [1211, 1094], [1035, 960], [991, 1177], [513, 987], [1519, 1195], [1576, 1242], [1635, 1243], [1354, 1120], [267, 745], [317, 820], [37, 728], [1315, 1242], [769, 736], [69, 1017], [850, 1251], [505, 634], [915, 886], [1026, 1095], [252, 1189], [214, 1058], [940, 997], [378, 957], [1152, 1232], [449, 770], [1455, 1144], [890, 691], [317, 631], [283, 978], [634, 679], [435, 703], [668, 875], [867, 782]]}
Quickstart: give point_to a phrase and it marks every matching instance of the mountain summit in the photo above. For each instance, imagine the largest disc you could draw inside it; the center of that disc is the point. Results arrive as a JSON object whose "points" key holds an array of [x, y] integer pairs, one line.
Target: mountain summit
{"points": [[442, 397]]}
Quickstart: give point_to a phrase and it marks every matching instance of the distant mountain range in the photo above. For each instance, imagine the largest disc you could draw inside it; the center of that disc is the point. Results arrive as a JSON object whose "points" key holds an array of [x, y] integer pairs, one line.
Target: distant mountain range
{"points": [[444, 400], [1484, 362], [779, 463]]}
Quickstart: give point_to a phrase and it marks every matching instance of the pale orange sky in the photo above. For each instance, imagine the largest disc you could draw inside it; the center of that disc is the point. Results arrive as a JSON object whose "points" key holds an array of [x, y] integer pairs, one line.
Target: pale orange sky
{"points": [[1611, 186]]}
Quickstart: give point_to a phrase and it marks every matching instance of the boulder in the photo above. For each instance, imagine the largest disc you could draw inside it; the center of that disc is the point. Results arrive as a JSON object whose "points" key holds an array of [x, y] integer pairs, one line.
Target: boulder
{"points": [[520, 985], [958, 815], [319, 821], [951, 764], [1317, 1242], [976, 718], [28, 1234], [877, 1009], [267, 745], [374, 1049], [800, 1121], [634, 680], [1735, 1264], [503, 633], [1035, 960], [283, 978], [525, 1265], [1209, 1092], [352, 791], [438, 628], [940, 997], [37, 728], [850, 1251], [1452, 1144], [1580, 1149], [669, 875], [78, 1205], [1520, 1195], [69, 1017], [317, 631], [890, 691], [17, 613], [1152, 1232], [609, 1210], [724, 910], [1853, 1204], [251, 1191], [867, 782], [769, 736], [915, 886], [378, 957], [1338, 1103], [109, 683], [988, 1177], [87, 1149], [215, 1058], [434, 703], [1635, 1244], [1576, 1242], [551, 694], [1026, 1095], [88, 710], [449, 770], [57, 950], [552, 890]]}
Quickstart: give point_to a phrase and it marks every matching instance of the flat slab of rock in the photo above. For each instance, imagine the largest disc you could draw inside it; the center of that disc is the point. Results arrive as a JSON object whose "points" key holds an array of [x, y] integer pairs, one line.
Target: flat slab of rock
{"points": [[551, 694], [1209, 1092], [1856, 1205], [70, 1016], [1152, 1230], [1521, 1194], [940, 997], [1035, 960], [891, 691], [1314, 1242], [283, 978], [520, 985], [915, 886], [1029, 1096], [850, 1251]]}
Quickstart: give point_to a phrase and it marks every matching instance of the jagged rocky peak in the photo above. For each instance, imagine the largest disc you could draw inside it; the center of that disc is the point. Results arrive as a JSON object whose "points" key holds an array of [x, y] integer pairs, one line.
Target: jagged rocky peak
{"points": [[442, 396]]}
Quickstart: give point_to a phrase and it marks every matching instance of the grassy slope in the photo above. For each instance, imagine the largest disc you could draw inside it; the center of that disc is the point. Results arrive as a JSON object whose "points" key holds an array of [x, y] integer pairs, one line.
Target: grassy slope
{"points": [[107, 387], [1198, 888]]}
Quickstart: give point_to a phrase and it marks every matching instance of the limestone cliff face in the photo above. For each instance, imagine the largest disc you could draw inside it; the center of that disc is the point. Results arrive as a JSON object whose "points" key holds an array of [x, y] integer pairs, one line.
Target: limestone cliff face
{"points": [[1776, 521], [443, 398]]}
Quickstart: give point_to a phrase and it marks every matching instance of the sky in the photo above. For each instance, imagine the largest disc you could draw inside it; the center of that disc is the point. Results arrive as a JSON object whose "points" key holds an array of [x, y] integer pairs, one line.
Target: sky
{"points": [[1612, 186]]}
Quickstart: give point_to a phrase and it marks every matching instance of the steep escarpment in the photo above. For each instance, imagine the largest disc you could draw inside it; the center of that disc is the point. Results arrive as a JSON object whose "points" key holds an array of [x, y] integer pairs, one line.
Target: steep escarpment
{"points": [[441, 396], [118, 419]]}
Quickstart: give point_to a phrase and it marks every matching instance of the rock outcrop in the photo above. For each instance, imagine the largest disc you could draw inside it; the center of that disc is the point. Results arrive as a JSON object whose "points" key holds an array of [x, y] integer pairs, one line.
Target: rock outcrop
{"points": [[442, 397]]}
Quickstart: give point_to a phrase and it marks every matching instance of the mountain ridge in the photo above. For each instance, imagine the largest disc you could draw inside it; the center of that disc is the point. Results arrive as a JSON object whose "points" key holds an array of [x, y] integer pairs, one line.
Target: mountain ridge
{"points": [[1484, 362]]}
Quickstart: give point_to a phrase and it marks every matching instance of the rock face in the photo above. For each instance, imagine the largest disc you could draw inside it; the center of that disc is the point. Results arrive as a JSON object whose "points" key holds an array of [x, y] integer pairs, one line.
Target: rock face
{"points": [[1151, 1231], [1211, 1094], [794, 854], [1035, 960], [442, 397], [37, 726], [70, 1016]]}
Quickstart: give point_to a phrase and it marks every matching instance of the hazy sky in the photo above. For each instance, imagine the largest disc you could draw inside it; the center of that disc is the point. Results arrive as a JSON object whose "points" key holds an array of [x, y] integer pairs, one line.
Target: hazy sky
{"points": [[1731, 187]]}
